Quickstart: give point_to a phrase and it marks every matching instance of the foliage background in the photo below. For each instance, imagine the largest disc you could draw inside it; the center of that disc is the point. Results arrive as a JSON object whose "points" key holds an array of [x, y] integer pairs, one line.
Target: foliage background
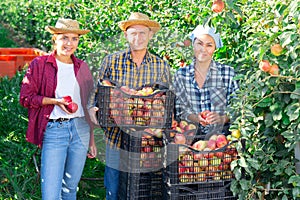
{"points": [[266, 110]]}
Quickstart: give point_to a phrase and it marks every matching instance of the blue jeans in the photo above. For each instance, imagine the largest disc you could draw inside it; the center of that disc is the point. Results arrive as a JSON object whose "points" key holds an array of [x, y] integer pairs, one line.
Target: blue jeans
{"points": [[64, 151], [111, 173]]}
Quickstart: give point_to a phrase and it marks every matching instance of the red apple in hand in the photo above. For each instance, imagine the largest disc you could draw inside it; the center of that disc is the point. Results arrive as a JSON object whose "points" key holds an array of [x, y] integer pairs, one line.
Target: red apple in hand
{"points": [[72, 107], [204, 114], [67, 99]]}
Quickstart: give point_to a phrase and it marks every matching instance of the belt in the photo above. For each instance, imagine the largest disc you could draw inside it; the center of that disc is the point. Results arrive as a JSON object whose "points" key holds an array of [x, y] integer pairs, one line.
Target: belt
{"points": [[60, 120]]}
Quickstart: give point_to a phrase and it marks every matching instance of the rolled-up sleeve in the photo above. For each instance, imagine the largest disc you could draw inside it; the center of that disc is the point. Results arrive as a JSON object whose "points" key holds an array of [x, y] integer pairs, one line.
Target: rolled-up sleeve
{"points": [[29, 97]]}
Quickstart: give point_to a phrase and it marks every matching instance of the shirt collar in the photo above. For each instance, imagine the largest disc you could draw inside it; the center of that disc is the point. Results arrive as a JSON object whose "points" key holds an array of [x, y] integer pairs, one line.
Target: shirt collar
{"points": [[147, 57], [212, 67], [51, 59]]}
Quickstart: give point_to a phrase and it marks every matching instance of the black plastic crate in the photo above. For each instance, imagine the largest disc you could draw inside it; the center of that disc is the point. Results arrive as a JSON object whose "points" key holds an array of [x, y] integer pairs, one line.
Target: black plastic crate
{"points": [[141, 186], [142, 151], [203, 191], [120, 108], [187, 165]]}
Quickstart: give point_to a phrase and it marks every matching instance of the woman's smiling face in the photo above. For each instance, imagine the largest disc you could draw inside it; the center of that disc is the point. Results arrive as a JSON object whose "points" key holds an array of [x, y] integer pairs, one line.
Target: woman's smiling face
{"points": [[66, 43], [204, 48]]}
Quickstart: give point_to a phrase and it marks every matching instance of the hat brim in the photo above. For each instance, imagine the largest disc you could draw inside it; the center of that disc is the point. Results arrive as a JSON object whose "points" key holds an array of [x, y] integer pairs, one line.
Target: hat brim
{"points": [[54, 30], [153, 25]]}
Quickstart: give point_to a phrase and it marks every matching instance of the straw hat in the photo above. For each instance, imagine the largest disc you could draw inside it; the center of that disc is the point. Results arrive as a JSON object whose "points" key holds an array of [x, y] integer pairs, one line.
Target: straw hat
{"points": [[66, 26], [139, 19]]}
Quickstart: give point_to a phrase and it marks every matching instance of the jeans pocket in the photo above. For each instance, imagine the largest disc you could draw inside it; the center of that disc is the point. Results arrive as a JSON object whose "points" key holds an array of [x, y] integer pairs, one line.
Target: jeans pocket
{"points": [[50, 125], [83, 130]]}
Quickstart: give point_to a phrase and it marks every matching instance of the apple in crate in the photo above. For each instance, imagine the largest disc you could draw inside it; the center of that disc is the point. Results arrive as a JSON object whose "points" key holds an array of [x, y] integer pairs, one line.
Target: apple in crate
{"points": [[221, 141], [200, 145]]}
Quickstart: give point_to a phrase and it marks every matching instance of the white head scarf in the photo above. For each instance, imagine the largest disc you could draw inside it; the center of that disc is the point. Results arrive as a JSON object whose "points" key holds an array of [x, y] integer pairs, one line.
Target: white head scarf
{"points": [[200, 30]]}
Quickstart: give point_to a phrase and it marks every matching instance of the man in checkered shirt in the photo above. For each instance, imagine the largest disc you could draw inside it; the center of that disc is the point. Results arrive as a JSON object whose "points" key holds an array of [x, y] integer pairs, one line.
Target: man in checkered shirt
{"points": [[133, 67]]}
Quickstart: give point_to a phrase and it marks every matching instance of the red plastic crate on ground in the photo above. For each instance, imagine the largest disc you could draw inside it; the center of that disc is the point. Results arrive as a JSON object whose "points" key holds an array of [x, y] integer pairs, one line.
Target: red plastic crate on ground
{"points": [[14, 59]]}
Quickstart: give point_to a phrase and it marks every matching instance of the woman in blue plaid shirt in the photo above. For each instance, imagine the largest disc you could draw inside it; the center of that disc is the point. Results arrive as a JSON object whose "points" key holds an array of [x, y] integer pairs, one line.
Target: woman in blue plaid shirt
{"points": [[205, 84]]}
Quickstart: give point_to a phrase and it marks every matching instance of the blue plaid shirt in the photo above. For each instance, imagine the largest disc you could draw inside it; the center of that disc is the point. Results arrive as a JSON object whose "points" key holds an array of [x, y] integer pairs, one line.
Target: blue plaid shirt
{"points": [[215, 94]]}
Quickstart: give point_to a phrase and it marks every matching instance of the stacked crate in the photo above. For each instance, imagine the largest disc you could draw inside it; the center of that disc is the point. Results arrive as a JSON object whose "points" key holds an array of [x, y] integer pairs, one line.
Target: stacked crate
{"points": [[142, 114], [142, 157], [194, 174]]}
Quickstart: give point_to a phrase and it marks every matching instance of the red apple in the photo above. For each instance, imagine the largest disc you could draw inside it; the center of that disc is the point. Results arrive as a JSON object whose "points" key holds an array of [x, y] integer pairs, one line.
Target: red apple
{"points": [[223, 166], [147, 105], [264, 65], [204, 114], [147, 149], [157, 104], [197, 156], [187, 160], [67, 99], [211, 144], [221, 141], [218, 6], [219, 154], [274, 70], [72, 107], [183, 124]]}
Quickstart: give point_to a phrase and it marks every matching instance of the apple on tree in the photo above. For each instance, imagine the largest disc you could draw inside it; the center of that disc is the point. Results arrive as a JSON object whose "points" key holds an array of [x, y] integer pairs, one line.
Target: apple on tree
{"points": [[276, 49], [264, 65], [218, 6], [274, 70]]}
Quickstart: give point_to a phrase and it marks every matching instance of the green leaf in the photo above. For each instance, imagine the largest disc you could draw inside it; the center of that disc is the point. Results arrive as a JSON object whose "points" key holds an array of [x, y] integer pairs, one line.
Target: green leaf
{"points": [[296, 93], [253, 163], [244, 184], [295, 180], [266, 102], [293, 111], [242, 162]]}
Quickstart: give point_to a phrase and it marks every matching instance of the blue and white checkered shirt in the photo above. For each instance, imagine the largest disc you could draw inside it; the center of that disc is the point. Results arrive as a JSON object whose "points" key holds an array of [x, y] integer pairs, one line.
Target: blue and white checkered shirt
{"points": [[215, 94]]}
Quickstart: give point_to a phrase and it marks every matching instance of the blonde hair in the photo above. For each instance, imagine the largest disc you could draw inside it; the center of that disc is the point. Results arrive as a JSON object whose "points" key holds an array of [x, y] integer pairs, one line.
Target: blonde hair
{"points": [[53, 39]]}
